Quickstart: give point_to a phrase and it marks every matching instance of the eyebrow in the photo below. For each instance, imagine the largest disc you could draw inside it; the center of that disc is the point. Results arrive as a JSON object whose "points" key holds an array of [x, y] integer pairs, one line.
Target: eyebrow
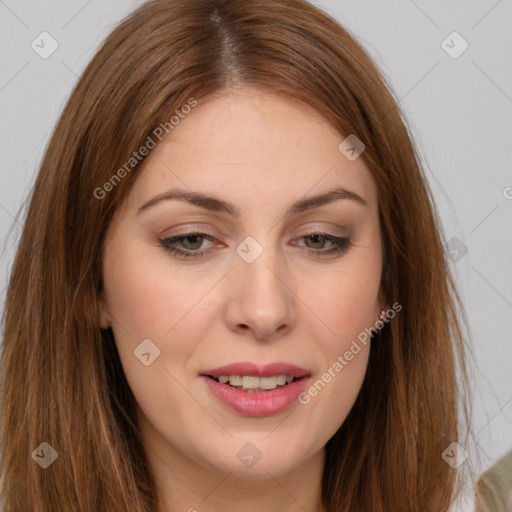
{"points": [[216, 204]]}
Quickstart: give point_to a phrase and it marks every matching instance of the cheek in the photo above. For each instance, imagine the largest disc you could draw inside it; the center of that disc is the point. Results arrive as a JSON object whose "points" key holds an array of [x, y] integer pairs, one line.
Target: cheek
{"points": [[148, 302], [343, 304], [146, 295], [345, 308], [345, 300]]}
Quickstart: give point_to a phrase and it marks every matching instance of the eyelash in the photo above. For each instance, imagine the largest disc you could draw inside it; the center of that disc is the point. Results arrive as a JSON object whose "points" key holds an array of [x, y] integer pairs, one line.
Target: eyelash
{"points": [[341, 244]]}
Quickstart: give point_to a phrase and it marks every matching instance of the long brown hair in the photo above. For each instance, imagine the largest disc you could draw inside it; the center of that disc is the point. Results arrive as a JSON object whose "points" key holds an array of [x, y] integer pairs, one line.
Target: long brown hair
{"points": [[61, 379]]}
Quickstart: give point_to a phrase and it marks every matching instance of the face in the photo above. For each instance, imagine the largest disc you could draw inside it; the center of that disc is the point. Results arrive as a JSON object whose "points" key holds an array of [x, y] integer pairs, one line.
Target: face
{"points": [[260, 277]]}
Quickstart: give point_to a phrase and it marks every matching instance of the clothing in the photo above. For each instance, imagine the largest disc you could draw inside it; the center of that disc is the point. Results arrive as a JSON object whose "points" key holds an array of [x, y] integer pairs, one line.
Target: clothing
{"points": [[493, 491]]}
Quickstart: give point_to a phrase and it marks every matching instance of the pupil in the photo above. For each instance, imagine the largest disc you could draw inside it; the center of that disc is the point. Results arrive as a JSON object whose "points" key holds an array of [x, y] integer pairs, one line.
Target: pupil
{"points": [[315, 238], [188, 237]]}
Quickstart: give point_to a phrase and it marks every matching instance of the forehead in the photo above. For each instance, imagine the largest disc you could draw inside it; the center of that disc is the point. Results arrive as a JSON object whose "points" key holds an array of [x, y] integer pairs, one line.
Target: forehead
{"points": [[252, 147]]}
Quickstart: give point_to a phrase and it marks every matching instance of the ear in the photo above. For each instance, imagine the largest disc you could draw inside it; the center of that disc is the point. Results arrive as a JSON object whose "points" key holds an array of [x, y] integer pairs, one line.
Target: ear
{"points": [[383, 304], [97, 310], [104, 318]]}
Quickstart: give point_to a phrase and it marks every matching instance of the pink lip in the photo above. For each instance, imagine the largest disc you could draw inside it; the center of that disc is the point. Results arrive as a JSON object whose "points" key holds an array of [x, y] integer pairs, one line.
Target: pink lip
{"points": [[265, 403], [267, 370]]}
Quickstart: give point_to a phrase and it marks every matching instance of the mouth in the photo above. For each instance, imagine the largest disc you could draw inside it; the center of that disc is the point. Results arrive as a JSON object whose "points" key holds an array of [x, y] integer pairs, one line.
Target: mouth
{"points": [[255, 384], [253, 390]]}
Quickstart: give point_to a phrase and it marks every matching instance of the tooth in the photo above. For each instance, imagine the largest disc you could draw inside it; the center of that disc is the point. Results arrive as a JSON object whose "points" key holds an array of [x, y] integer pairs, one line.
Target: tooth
{"points": [[253, 382], [268, 382], [235, 380], [281, 380], [249, 382]]}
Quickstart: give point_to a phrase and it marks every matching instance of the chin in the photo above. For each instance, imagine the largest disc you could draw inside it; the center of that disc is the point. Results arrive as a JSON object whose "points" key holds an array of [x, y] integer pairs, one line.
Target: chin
{"points": [[258, 458]]}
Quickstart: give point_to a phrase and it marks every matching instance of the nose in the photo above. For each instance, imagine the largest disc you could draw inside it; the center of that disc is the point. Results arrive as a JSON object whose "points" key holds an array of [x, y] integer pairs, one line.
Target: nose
{"points": [[261, 297]]}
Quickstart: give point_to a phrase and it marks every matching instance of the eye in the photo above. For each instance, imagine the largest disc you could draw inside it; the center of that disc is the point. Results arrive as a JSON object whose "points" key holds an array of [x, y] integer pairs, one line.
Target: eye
{"points": [[338, 244], [192, 242]]}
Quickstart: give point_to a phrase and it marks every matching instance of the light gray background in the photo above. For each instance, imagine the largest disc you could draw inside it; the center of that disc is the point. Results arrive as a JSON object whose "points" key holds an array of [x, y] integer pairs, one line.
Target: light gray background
{"points": [[460, 111]]}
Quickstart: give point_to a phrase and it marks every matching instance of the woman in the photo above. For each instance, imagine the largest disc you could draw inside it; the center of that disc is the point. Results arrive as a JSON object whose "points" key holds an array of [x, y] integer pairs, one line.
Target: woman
{"points": [[231, 291]]}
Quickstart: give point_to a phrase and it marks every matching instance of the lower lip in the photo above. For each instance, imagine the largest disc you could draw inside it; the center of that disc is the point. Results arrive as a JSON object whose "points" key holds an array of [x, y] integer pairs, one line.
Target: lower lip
{"points": [[264, 403]]}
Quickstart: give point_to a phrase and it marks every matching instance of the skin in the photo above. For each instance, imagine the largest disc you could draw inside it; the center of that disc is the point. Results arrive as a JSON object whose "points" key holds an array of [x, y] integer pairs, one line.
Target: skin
{"points": [[260, 151]]}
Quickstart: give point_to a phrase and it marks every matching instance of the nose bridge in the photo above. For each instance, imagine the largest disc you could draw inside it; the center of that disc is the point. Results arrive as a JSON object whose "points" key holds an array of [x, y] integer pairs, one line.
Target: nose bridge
{"points": [[261, 265], [265, 267], [261, 299]]}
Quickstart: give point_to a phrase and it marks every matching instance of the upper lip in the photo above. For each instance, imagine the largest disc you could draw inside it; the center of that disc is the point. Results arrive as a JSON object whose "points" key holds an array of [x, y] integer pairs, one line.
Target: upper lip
{"points": [[266, 370]]}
